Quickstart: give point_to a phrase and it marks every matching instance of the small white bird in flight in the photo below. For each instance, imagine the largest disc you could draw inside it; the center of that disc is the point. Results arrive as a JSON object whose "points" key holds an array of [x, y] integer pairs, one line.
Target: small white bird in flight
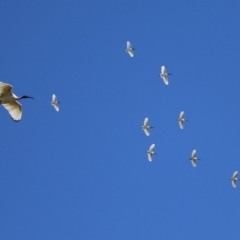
{"points": [[164, 75], [55, 102], [234, 179], [181, 120], [194, 158], [146, 127], [10, 101], [151, 152], [129, 49]]}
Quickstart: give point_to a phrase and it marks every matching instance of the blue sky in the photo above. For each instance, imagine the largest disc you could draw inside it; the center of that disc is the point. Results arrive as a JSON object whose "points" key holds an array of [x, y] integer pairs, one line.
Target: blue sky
{"points": [[83, 173]]}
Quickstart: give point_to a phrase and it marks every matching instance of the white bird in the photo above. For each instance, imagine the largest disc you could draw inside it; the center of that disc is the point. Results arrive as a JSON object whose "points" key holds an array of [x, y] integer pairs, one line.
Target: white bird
{"points": [[55, 102], [194, 158], [146, 127], [181, 120], [234, 179], [10, 101], [129, 49], [164, 75], [151, 152]]}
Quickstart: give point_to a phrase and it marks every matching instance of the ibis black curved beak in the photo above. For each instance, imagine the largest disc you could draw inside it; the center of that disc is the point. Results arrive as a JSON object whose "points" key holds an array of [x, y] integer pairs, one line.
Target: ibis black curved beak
{"points": [[25, 96]]}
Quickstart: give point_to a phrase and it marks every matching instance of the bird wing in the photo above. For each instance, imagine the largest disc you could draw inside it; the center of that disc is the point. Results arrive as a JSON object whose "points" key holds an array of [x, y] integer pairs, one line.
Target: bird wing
{"points": [[5, 89], [147, 132], [151, 147], [234, 183], [129, 46], [54, 98], [194, 153], [181, 124], [165, 79], [194, 162], [235, 174], [56, 106], [149, 157], [181, 116], [163, 70], [131, 53], [145, 123], [14, 109]]}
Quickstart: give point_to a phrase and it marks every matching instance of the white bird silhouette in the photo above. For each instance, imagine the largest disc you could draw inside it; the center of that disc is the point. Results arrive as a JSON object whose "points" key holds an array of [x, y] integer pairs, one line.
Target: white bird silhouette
{"points": [[181, 120], [234, 179], [164, 75], [151, 152], [10, 101], [129, 49], [194, 158], [146, 127], [55, 102]]}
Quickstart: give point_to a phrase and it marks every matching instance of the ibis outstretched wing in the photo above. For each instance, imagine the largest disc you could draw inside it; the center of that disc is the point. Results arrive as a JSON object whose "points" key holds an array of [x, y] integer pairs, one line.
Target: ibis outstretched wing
{"points": [[194, 162], [131, 53], [181, 116], [5, 89], [145, 123], [147, 132], [235, 174], [152, 147], [56, 106], [163, 70], [14, 109], [181, 124], [129, 46], [194, 153], [150, 157], [165, 79]]}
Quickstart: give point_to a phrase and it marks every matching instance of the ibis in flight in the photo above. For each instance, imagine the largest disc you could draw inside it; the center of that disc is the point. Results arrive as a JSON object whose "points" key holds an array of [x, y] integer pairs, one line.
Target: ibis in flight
{"points": [[55, 102], [194, 158], [10, 101], [151, 152], [164, 75], [234, 179], [146, 127], [129, 49], [181, 120]]}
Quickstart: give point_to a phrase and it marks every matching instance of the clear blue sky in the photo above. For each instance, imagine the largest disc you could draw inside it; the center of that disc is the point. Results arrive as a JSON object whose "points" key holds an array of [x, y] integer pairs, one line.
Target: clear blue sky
{"points": [[83, 173]]}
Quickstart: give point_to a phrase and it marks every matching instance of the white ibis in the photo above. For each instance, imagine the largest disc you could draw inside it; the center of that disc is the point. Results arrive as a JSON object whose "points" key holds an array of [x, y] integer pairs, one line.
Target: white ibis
{"points": [[129, 49], [151, 152], [146, 127], [181, 120], [55, 102], [10, 101], [234, 179], [164, 75], [194, 158]]}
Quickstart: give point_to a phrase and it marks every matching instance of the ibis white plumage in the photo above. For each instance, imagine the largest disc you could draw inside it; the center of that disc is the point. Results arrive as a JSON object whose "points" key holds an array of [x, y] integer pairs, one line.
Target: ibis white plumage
{"points": [[181, 120], [146, 127], [234, 179], [164, 75], [10, 101], [55, 102], [194, 158], [129, 49], [151, 152]]}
